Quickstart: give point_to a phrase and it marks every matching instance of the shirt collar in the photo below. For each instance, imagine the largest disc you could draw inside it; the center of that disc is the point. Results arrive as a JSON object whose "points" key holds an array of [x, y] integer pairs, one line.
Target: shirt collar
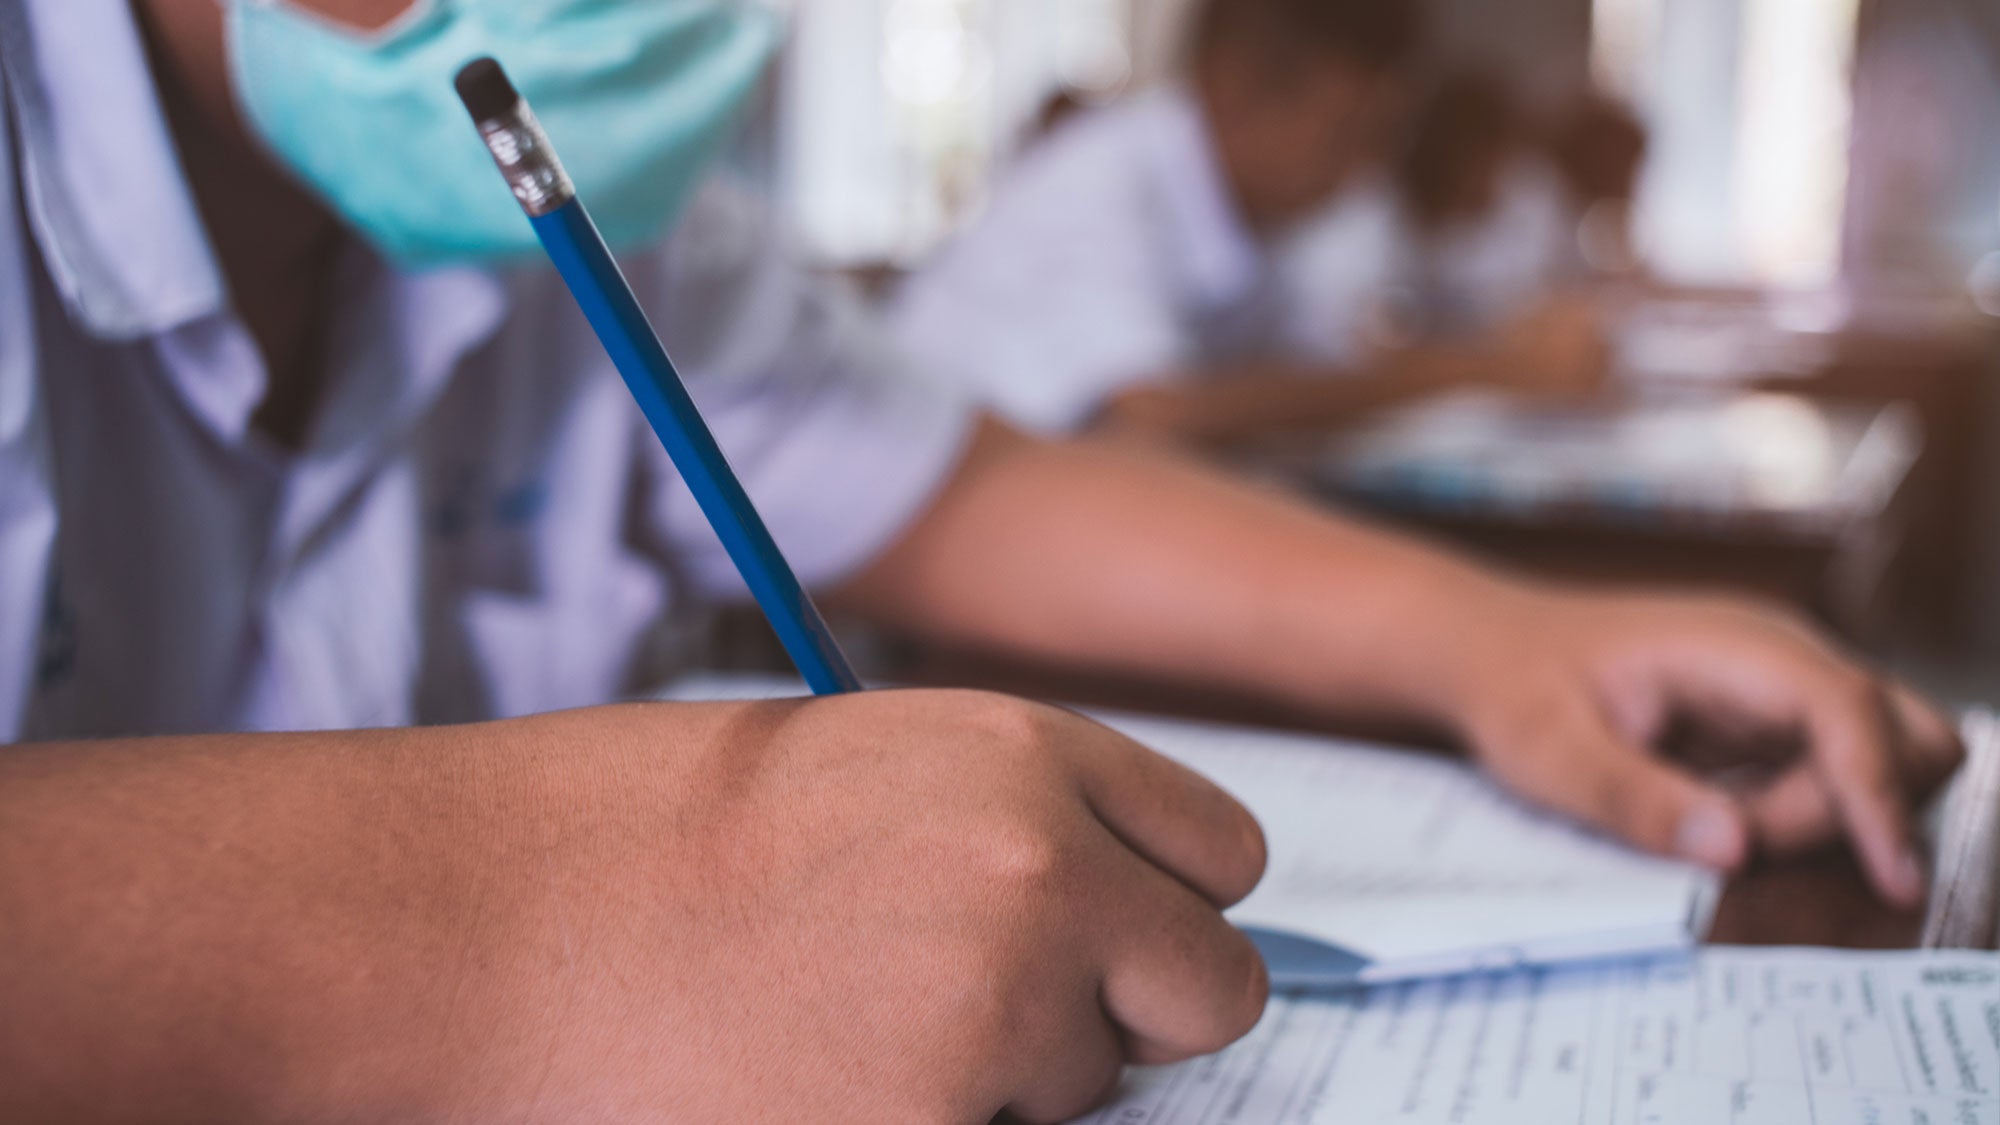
{"points": [[398, 339], [394, 341], [1220, 258], [106, 197]]}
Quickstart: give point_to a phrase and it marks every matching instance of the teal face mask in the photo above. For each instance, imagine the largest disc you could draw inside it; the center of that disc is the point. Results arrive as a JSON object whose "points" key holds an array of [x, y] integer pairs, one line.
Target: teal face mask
{"points": [[639, 93]]}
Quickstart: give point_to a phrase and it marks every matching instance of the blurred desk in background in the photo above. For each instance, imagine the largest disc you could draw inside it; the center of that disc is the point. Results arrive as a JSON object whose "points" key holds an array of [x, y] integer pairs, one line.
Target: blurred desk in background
{"points": [[1736, 337], [1935, 354], [1779, 495]]}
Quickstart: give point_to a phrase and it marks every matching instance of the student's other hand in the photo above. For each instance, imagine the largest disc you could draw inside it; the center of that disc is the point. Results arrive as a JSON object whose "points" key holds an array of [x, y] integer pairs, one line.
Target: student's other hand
{"points": [[885, 907], [1581, 692]]}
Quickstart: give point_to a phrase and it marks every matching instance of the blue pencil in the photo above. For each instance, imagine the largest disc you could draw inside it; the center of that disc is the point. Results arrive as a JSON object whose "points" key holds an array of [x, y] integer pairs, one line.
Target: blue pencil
{"points": [[573, 243]]}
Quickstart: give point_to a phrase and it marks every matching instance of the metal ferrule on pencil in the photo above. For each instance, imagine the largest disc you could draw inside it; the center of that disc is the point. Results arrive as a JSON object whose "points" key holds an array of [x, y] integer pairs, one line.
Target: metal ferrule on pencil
{"points": [[527, 160]]}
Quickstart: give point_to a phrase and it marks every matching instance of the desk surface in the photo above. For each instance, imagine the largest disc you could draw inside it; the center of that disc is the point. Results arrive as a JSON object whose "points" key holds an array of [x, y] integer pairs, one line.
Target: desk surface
{"points": [[1823, 901], [1803, 502], [1787, 502], [1743, 465]]}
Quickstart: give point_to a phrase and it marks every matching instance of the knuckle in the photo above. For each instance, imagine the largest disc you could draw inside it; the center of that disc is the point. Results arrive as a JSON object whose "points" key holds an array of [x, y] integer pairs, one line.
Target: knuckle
{"points": [[987, 1020], [1615, 802], [980, 1026], [1022, 861], [1525, 769], [1860, 693], [1528, 722], [992, 1005], [1535, 761], [1858, 703], [1003, 723], [1572, 772]]}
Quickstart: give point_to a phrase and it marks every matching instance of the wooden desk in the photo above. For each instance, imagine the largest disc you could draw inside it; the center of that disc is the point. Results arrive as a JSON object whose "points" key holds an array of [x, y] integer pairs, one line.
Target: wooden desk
{"points": [[1782, 496], [1905, 573], [1933, 355], [1947, 378], [1824, 901]]}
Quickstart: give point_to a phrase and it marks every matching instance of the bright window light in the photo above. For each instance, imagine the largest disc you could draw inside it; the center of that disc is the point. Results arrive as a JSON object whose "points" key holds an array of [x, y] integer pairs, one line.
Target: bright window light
{"points": [[1623, 37], [1750, 105], [897, 112], [1792, 149]]}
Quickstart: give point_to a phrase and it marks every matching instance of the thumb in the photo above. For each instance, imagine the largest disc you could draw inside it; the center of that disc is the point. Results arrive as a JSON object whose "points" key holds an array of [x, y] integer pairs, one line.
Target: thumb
{"points": [[1576, 764]]}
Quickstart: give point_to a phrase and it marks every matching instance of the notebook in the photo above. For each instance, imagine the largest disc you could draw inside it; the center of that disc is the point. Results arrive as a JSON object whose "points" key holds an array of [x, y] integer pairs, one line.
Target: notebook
{"points": [[1391, 865]]}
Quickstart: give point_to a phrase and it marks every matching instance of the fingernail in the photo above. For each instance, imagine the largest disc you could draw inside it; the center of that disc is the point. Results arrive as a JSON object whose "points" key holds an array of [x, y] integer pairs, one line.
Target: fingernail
{"points": [[1712, 836]]}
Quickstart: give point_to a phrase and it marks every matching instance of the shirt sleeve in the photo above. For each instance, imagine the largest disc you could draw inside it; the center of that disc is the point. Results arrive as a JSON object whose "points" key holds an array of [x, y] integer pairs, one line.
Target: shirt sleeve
{"points": [[1336, 274], [1502, 267], [27, 504], [836, 439], [1057, 298]]}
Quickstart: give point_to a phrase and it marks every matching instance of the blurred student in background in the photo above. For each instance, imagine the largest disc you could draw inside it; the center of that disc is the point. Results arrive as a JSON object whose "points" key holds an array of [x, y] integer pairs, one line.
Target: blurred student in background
{"points": [[1129, 249], [1459, 252], [1480, 214], [1126, 274], [1598, 147], [283, 447]]}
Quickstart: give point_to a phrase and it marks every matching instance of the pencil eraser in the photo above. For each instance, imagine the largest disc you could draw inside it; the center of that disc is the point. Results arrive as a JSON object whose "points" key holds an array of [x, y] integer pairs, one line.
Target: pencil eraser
{"points": [[485, 90]]}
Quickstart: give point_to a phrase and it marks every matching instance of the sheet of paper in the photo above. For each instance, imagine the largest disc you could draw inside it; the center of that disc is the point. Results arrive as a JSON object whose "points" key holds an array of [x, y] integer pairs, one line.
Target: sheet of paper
{"points": [[1420, 865], [1725, 1037]]}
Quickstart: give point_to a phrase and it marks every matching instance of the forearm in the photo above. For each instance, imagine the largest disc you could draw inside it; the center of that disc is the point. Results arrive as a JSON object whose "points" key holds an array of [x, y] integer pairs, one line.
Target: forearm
{"points": [[174, 937], [1243, 402], [298, 927], [1137, 563]]}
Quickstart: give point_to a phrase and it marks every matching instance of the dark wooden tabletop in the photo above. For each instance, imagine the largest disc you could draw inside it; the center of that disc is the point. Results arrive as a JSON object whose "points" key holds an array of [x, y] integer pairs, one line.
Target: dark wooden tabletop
{"points": [[1823, 901], [1785, 497]]}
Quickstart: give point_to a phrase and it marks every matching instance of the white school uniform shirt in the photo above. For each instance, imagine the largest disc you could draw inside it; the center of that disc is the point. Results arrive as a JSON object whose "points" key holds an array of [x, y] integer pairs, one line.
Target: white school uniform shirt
{"points": [[1357, 269], [1109, 255], [1338, 270], [1475, 276], [479, 523]]}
